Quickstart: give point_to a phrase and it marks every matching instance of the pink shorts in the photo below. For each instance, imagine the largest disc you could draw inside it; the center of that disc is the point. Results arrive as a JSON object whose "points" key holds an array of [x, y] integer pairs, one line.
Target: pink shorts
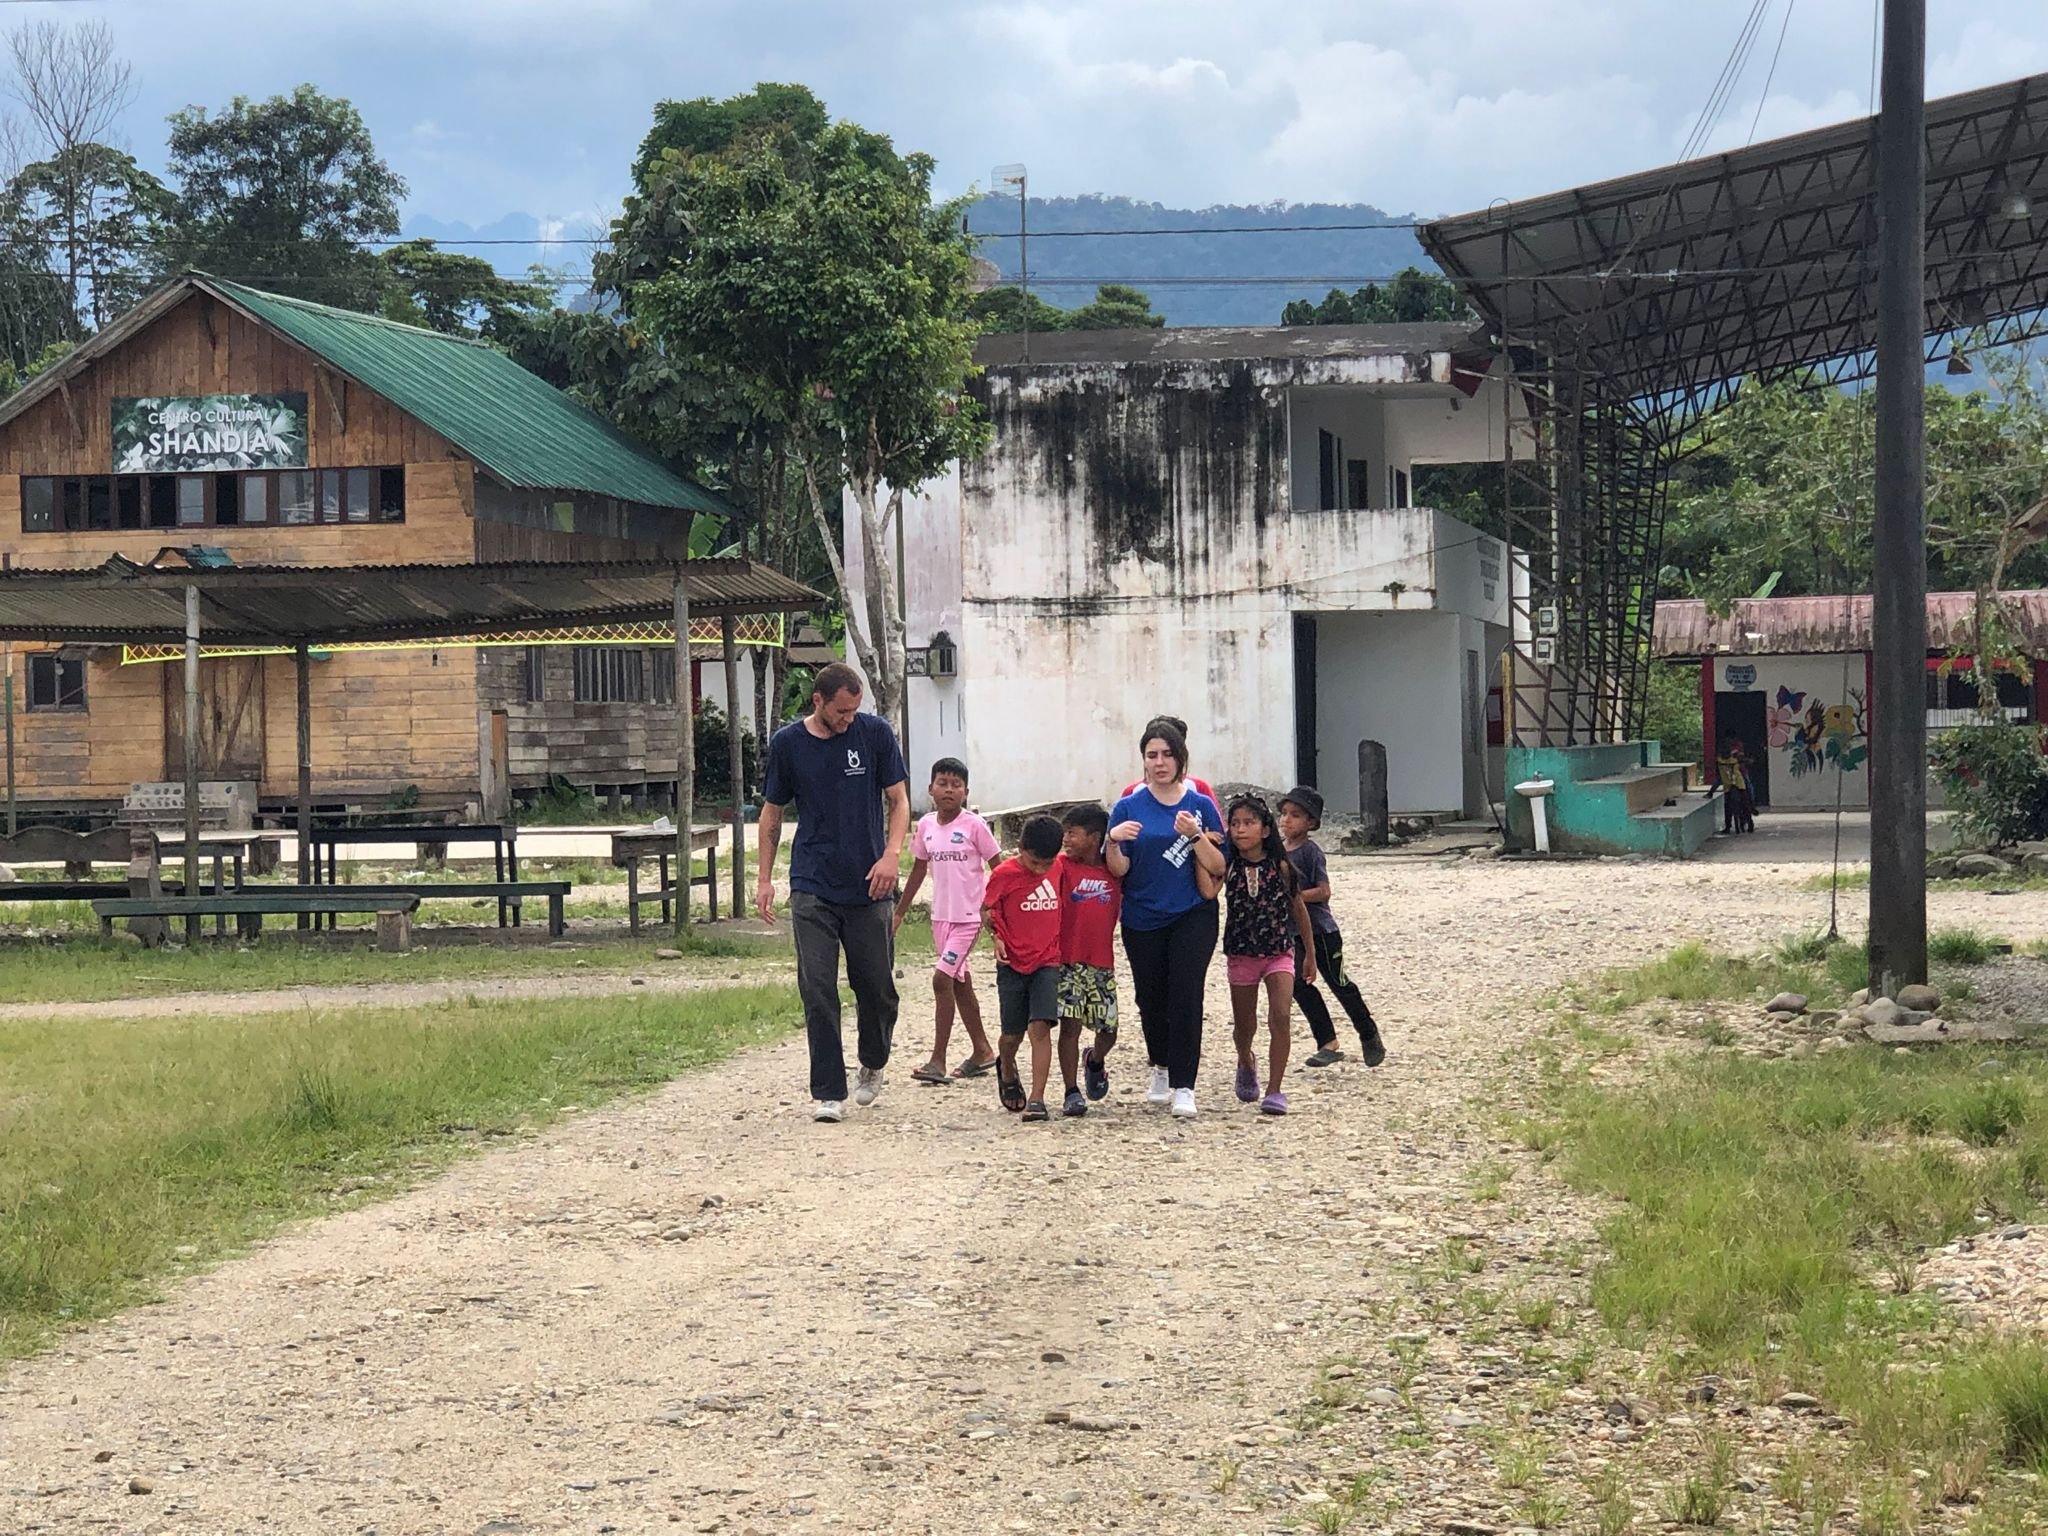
{"points": [[951, 944], [1250, 970]]}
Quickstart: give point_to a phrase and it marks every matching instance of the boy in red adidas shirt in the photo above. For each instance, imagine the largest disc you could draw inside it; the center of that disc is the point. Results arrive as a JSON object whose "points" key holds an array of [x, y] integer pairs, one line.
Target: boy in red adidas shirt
{"points": [[1023, 906]]}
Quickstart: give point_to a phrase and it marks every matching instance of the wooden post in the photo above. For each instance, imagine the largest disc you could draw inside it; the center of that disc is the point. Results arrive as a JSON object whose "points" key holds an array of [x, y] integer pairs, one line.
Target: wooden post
{"points": [[1372, 794], [686, 753], [191, 751], [302, 665], [730, 646], [13, 825]]}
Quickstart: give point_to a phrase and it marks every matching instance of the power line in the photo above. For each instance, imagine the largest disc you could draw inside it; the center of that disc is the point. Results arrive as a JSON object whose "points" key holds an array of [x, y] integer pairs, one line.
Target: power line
{"points": [[1765, 94], [1724, 83]]}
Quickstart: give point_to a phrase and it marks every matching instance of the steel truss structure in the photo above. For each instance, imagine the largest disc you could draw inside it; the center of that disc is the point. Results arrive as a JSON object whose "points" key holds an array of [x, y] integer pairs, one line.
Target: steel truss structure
{"points": [[1630, 310]]}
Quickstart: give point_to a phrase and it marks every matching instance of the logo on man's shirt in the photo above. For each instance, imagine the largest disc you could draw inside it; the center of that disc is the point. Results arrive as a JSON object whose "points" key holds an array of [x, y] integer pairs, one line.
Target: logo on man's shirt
{"points": [[853, 765], [1045, 899], [1094, 890], [1177, 855]]}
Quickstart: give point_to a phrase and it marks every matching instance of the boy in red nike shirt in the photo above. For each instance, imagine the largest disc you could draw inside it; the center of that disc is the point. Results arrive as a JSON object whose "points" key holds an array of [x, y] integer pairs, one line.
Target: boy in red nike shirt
{"points": [[1091, 900], [1023, 906]]}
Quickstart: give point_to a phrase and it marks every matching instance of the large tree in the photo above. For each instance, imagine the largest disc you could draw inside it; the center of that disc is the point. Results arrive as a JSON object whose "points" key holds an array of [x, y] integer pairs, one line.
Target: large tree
{"points": [[1777, 495], [285, 193], [97, 218], [81, 197], [461, 295], [811, 274]]}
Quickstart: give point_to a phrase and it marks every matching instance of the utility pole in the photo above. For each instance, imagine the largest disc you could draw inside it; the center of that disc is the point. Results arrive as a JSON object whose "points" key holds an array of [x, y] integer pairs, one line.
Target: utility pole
{"points": [[1898, 716], [1017, 176]]}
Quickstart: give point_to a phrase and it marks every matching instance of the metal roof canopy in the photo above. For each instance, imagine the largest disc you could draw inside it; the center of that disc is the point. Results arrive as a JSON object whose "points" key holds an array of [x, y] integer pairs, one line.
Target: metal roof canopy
{"points": [[1673, 284], [124, 603]]}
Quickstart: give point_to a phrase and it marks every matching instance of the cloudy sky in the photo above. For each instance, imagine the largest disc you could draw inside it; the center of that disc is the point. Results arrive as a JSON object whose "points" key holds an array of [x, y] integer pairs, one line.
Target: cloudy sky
{"points": [[490, 107]]}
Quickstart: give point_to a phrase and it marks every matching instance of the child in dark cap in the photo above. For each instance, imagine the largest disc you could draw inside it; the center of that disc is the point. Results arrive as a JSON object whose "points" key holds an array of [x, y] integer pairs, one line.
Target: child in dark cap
{"points": [[1301, 815]]}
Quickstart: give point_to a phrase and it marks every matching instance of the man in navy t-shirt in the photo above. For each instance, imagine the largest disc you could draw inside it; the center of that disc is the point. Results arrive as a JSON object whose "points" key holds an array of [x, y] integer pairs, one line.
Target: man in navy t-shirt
{"points": [[845, 774]]}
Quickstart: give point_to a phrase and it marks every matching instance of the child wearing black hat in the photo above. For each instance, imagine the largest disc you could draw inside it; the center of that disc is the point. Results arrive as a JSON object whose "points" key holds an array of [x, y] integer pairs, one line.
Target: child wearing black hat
{"points": [[1301, 815]]}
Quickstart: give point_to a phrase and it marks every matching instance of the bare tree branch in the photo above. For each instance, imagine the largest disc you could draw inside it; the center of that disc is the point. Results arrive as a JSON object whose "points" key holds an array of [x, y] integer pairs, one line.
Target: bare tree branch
{"points": [[72, 87]]}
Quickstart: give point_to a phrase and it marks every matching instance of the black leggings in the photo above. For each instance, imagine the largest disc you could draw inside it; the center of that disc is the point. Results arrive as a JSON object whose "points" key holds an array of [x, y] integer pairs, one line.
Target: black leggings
{"points": [[1330, 972], [1168, 968]]}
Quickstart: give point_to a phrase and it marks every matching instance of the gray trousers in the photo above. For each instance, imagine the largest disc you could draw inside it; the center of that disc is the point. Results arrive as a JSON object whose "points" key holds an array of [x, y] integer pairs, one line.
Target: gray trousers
{"points": [[822, 929]]}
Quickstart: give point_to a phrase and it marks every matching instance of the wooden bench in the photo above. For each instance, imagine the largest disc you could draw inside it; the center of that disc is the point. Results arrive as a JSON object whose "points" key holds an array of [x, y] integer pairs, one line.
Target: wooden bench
{"points": [[249, 907], [76, 851], [555, 891]]}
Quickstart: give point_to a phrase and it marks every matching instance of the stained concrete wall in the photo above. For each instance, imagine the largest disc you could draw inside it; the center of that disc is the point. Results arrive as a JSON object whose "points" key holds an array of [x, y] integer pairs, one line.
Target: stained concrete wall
{"points": [[1128, 546]]}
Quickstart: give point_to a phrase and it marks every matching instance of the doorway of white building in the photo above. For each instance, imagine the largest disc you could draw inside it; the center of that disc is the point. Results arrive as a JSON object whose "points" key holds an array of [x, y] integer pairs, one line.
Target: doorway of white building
{"points": [[1416, 682]]}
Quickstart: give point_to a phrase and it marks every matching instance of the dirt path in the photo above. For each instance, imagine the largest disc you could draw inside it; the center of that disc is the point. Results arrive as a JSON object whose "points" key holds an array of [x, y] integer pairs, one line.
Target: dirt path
{"points": [[698, 1311]]}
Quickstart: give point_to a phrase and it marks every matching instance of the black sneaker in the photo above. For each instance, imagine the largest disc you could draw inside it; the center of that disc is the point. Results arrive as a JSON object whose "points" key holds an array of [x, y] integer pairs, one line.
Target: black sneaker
{"points": [[1097, 1075], [1075, 1105], [1371, 1046], [1326, 1056]]}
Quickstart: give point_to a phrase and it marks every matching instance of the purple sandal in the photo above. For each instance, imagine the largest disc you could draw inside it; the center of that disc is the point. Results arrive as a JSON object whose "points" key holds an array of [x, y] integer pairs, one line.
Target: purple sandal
{"points": [[1247, 1085], [1274, 1103]]}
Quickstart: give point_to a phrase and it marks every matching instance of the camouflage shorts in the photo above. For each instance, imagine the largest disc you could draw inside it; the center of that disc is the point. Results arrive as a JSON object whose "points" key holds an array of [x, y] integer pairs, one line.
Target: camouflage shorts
{"points": [[1088, 993]]}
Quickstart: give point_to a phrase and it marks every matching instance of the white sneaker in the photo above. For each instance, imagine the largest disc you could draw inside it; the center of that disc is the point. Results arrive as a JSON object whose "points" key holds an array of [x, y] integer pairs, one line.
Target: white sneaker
{"points": [[1184, 1103], [1161, 1090], [869, 1087], [826, 1111]]}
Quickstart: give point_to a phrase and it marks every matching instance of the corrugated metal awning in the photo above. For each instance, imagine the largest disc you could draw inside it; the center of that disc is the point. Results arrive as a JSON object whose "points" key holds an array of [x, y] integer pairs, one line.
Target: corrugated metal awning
{"points": [[124, 603], [1829, 626]]}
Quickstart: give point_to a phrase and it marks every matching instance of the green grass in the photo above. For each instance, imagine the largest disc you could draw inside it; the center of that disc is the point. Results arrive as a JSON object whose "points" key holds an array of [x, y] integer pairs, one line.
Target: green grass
{"points": [[133, 1149], [1693, 973], [2018, 880], [90, 970], [1962, 946], [1762, 1204]]}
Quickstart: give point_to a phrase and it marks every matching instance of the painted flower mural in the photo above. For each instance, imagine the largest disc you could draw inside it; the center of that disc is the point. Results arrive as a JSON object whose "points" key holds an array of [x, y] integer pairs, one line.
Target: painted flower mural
{"points": [[1819, 735]]}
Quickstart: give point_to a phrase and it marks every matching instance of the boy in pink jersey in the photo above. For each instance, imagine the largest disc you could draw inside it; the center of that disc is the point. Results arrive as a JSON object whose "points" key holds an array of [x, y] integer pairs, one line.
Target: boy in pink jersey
{"points": [[954, 846]]}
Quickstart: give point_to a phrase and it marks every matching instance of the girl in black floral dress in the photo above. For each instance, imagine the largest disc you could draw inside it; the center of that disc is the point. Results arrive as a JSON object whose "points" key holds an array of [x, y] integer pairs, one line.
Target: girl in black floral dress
{"points": [[1266, 918]]}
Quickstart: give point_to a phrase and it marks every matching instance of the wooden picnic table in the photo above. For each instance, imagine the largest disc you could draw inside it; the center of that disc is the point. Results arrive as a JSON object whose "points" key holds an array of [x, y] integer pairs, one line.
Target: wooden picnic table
{"points": [[630, 846], [325, 842]]}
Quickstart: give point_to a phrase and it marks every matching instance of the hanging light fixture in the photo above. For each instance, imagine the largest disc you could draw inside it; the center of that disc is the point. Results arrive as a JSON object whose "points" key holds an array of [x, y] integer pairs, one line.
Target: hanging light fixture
{"points": [[2016, 206]]}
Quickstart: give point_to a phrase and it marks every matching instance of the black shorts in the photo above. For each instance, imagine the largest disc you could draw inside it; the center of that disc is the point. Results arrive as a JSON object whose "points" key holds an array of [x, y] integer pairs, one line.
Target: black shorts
{"points": [[1027, 995]]}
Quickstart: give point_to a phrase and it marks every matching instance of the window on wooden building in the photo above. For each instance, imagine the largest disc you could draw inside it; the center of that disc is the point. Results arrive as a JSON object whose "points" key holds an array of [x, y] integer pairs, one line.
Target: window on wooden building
{"points": [[55, 682], [664, 677], [609, 675], [533, 675], [254, 498]]}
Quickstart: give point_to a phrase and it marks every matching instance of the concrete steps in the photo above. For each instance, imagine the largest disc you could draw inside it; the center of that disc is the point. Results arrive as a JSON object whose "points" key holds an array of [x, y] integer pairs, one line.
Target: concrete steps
{"points": [[1643, 789], [1682, 828]]}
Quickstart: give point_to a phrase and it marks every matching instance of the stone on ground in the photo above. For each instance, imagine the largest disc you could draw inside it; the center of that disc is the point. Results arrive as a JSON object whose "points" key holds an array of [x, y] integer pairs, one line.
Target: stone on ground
{"points": [[1919, 997], [1787, 1002], [1972, 865]]}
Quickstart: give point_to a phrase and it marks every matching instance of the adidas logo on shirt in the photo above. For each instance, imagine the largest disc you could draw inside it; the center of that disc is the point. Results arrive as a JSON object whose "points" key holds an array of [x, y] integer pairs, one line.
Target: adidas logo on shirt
{"points": [[1044, 899]]}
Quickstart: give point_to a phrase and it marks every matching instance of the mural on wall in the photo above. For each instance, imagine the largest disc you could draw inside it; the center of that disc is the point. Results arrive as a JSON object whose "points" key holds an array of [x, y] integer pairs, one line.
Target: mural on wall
{"points": [[1814, 735]]}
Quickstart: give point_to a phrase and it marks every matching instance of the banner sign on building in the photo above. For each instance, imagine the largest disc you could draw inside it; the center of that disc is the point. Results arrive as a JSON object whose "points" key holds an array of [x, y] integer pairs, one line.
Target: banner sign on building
{"points": [[175, 434]]}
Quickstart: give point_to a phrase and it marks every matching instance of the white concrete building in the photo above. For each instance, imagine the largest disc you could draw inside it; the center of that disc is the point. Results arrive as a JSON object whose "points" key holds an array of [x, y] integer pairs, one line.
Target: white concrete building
{"points": [[1220, 525]]}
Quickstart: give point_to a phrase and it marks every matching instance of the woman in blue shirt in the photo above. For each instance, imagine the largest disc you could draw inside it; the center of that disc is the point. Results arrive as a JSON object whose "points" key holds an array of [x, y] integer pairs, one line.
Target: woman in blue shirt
{"points": [[1158, 833]]}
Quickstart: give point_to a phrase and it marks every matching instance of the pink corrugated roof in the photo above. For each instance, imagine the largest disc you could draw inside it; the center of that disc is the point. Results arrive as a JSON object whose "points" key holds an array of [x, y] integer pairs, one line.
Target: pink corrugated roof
{"points": [[1823, 626]]}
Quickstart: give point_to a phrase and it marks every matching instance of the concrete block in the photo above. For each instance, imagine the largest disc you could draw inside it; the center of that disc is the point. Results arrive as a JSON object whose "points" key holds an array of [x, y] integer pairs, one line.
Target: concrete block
{"points": [[394, 933]]}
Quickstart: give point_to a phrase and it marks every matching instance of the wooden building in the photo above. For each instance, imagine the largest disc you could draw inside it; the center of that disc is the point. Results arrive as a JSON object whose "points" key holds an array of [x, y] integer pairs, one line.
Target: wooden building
{"points": [[216, 422]]}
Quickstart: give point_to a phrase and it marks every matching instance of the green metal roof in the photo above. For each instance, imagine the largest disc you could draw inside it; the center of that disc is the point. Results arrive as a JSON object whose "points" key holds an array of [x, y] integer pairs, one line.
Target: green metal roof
{"points": [[519, 427]]}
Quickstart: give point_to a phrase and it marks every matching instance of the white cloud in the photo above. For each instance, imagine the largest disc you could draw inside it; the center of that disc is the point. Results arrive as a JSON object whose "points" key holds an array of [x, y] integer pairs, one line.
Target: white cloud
{"points": [[1424, 105]]}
